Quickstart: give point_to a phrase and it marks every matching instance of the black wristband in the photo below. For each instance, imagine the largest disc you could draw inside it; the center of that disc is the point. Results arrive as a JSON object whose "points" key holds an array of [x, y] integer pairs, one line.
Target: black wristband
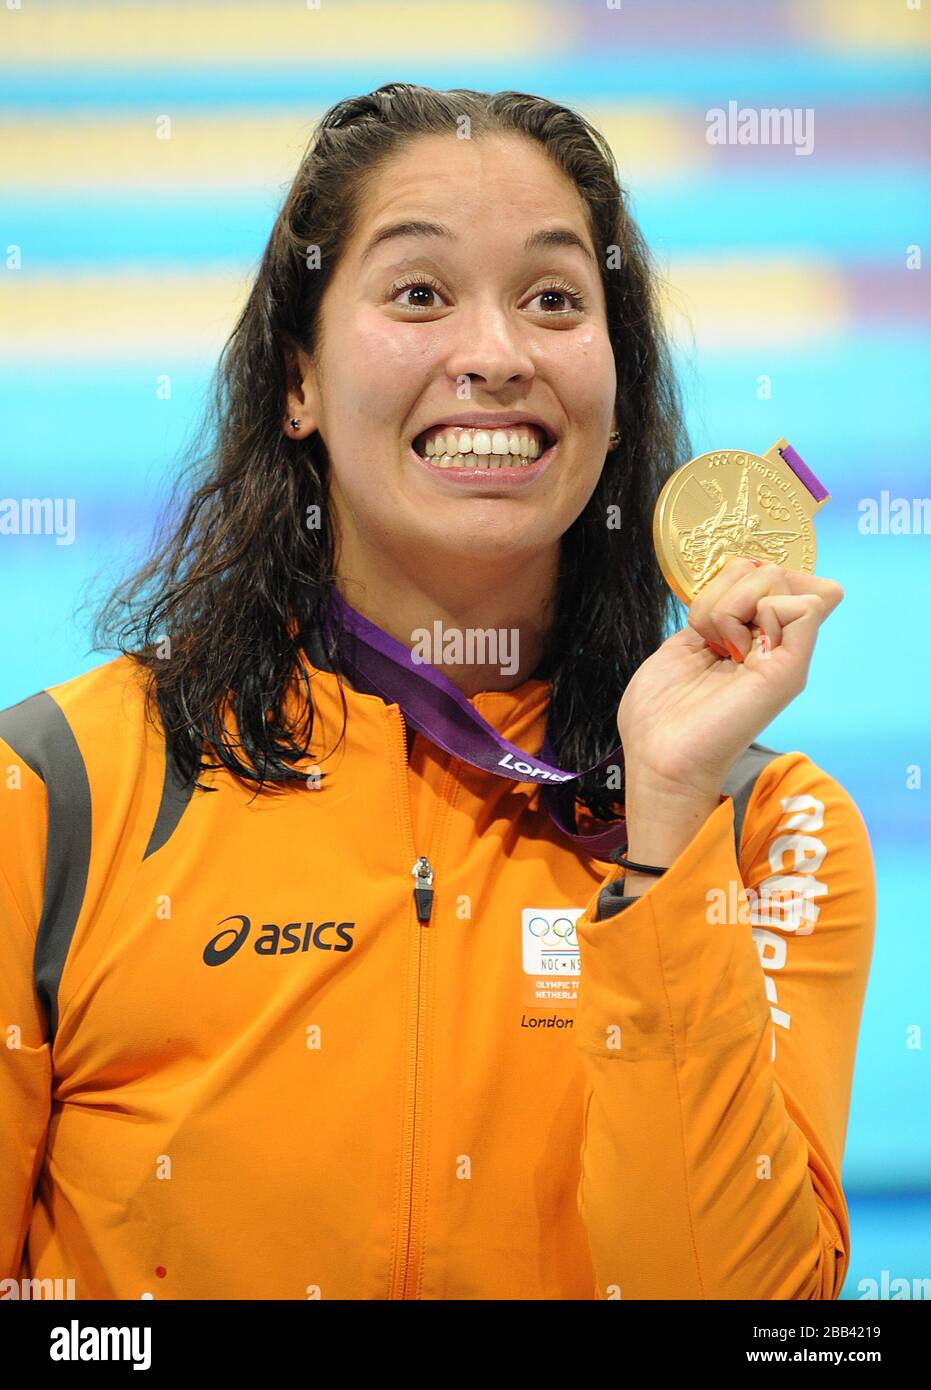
{"points": [[637, 868]]}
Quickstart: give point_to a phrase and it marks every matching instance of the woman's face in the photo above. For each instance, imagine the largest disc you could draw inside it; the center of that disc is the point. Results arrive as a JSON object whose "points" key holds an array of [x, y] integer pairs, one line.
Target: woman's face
{"points": [[484, 313]]}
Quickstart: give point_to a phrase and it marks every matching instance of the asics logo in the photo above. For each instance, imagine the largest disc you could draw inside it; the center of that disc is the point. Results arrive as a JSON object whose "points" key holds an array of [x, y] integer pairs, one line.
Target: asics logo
{"points": [[276, 941]]}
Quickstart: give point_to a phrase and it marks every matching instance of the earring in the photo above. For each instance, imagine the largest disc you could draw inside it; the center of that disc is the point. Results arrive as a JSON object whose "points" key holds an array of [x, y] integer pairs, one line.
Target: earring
{"points": [[614, 439], [295, 424]]}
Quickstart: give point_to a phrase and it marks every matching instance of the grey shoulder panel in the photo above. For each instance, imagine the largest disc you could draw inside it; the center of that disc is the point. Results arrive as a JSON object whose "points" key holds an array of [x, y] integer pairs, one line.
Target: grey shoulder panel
{"points": [[741, 780], [738, 785], [38, 732], [176, 794]]}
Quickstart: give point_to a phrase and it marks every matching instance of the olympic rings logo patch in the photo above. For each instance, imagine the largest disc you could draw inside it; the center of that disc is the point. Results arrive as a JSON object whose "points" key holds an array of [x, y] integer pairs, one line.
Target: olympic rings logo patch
{"points": [[549, 942], [559, 931]]}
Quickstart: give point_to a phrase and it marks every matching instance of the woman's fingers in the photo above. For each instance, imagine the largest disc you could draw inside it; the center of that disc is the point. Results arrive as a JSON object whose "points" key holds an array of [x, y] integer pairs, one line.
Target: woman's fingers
{"points": [[725, 609], [799, 617]]}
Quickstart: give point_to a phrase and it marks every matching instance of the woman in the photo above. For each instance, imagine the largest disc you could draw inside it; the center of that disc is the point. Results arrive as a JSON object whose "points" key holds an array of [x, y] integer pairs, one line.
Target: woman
{"points": [[251, 1058]]}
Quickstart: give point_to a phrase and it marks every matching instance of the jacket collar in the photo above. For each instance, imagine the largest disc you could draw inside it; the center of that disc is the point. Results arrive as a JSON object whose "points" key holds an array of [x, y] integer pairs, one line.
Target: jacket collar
{"points": [[519, 714]]}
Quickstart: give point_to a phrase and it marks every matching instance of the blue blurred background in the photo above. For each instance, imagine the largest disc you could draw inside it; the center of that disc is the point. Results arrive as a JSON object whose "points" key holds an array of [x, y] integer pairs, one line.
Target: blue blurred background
{"points": [[794, 288]]}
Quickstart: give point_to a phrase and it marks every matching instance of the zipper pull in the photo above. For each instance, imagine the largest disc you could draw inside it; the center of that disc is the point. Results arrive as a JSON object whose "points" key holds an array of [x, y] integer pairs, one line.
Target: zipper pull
{"points": [[422, 873]]}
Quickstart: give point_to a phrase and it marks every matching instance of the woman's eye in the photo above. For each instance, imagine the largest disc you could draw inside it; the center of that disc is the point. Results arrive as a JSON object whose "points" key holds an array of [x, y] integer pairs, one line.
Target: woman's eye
{"points": [[420, 292], [571, 301]]}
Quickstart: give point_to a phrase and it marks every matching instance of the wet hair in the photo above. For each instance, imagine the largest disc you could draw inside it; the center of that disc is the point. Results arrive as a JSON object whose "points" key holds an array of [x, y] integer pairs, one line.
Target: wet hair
{"points": [[236, 578]]}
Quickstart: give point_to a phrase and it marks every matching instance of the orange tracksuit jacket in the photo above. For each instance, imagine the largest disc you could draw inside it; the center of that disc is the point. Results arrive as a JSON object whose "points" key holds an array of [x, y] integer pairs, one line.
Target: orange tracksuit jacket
{"points": [[235, 1064]]}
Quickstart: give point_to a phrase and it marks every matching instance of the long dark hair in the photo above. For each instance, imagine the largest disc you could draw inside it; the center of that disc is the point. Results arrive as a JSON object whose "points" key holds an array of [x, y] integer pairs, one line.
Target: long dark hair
{"points": [[239, 582]]}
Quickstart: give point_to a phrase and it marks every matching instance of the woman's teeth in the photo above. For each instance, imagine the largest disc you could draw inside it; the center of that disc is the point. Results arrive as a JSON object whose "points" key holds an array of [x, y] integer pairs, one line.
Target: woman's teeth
{"points": [[454, 448]]}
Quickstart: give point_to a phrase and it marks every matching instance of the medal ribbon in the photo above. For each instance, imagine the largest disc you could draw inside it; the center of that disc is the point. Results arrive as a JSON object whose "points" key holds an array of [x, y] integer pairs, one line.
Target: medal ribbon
{"points": [[803, 473], [380, 665]]}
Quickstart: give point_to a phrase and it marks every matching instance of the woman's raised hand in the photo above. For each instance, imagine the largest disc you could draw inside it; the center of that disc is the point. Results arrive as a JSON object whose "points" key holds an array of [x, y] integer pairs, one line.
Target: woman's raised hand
{"points": [[693, 706]]}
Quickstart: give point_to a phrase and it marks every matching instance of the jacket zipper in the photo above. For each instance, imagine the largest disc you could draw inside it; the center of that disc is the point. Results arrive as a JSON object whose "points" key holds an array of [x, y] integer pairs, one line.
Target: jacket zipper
{"points": [[404, 1278], [423, 888]]}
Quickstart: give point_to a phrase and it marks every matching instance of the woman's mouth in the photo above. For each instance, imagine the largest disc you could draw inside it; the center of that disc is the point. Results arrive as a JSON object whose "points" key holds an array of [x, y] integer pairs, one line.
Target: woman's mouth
{"points": [[515, 453]]}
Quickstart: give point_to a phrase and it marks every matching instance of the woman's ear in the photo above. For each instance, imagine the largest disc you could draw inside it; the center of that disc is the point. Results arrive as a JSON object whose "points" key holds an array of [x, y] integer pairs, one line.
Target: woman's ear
{"points": [[302, 397]]}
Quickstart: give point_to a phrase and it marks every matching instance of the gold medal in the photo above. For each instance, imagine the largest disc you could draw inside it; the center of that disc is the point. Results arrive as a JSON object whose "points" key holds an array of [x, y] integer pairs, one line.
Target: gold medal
{"points": [[734, 503]]}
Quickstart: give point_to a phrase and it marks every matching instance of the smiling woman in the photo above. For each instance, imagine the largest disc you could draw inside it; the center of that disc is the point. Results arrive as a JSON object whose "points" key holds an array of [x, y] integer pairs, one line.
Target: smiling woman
{"points": [[489, 326], [480, 1058], [441, 259]]}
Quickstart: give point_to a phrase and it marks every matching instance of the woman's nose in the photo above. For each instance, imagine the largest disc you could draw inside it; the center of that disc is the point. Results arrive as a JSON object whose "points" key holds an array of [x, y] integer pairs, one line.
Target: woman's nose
{"points": [[488, 343]]}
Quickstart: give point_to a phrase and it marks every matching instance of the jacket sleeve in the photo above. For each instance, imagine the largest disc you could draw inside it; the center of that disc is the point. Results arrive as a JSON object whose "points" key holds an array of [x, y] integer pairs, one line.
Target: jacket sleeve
{"points": [[718, 1016], [25, 1054]]}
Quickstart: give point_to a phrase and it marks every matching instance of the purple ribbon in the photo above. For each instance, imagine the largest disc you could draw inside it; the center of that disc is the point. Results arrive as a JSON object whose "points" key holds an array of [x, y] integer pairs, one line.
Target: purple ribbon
{"points": [[803, 473], [380, 665]]}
